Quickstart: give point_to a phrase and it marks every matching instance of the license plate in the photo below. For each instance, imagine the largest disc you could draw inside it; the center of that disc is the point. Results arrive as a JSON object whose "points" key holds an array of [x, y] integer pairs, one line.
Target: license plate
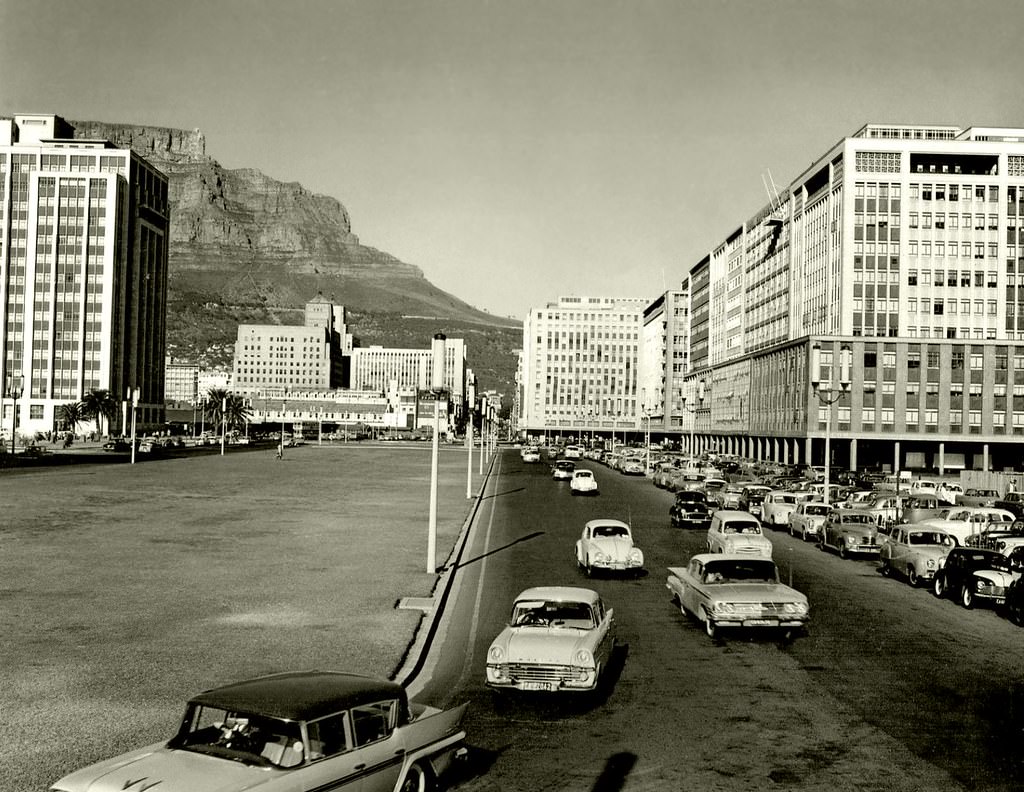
{"points": [[1000, 601], [536, 686], [759, 623]]}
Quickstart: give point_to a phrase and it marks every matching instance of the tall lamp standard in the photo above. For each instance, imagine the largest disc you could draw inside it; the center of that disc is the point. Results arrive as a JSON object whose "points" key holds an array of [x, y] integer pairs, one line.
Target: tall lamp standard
{"points": [[133, 396], [645, 412], [15, 387], [692, 409], [470, 404], [823, 390], [284, 404], [436, 387], [223, 423]]}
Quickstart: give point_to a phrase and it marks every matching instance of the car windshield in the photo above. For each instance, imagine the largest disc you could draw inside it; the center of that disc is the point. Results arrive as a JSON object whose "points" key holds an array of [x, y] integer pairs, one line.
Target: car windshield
{"points": [[747, 571], [240, 737], [581, 474], [858, 519], [930, 538], [816, 510], [610, 530], [552, 614], [742, 528]]}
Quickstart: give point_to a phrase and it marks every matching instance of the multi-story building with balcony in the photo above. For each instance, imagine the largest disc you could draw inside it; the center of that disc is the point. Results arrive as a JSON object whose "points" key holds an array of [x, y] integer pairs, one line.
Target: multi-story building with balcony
{"points": [[84, 230], [905, 244]]}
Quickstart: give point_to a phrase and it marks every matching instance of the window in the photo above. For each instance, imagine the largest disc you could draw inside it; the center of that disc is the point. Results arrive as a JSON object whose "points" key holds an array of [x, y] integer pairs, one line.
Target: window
{"points": [[373, 722], [327, 736]]}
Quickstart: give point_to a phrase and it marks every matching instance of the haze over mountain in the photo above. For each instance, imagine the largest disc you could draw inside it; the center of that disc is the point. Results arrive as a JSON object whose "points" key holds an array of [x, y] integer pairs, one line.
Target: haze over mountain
{"points": [[246, 248]]}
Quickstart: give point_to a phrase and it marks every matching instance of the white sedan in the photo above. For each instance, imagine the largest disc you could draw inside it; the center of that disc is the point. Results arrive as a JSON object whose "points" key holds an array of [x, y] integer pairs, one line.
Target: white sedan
{"points": [[583, 483], [608, 545]]}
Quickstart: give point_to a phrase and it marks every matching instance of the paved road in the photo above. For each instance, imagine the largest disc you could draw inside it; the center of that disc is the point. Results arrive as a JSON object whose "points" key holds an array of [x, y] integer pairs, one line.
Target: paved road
{"points": [[891, 690]]}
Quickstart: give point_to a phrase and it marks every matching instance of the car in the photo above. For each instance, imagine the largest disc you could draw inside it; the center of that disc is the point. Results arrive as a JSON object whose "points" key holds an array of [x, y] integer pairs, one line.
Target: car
{"points": [[117, 444], [291, 731], [730, 591], [563, 470], [573, 452], [974, 575], [729, 497], [583, 482], [737, 533], [690, 510], [559, 638], [1012, 502], [856, 499], [850, 532], [950, 492], [530, 455], [777, 506], [807, 519], [999, 536], [978, 496], [633, 466], [1015, 596], [916, 553], [752, 498], [964, 521], [915, 508], [607, 545]]}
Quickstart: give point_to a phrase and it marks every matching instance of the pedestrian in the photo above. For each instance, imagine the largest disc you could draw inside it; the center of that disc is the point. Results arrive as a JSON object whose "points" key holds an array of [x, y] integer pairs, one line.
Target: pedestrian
{"points": [[280, 450]]}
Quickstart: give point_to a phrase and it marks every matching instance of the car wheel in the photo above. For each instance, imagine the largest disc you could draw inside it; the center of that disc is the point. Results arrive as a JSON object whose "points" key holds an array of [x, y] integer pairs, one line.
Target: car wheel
{"points": [[967, 597], [884, 568], [587, 568], [792, 531], [939, 586], [1016, 613], [417, 779], [842, 549], [709, 625], [912, 577]]}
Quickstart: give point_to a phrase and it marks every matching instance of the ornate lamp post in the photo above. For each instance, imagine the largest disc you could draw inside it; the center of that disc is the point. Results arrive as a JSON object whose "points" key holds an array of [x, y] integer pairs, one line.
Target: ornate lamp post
{"points": [[15, 387], [823, 390], [692, 409]]}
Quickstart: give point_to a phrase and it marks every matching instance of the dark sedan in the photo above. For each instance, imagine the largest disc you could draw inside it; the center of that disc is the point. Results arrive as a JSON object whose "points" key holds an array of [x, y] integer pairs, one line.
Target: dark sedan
{"points": [[974, 575], [691, 510]]}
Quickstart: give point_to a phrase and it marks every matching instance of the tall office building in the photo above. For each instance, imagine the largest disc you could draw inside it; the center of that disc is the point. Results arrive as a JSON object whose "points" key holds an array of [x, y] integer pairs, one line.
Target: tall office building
{"points": [[903, 244], [379, 369], [84, 231], [581, 365]]}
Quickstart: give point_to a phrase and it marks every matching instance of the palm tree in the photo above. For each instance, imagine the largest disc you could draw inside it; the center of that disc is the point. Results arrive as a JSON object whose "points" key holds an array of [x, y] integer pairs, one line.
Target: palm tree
{"points": [[99, 405], [222, 405], [71, 415]]}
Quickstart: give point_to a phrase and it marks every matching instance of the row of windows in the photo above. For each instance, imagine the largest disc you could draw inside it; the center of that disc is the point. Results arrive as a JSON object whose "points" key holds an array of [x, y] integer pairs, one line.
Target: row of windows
{"points": [[954, 192], [952, 249], [951, 332], [912, 416], [942, 221]]}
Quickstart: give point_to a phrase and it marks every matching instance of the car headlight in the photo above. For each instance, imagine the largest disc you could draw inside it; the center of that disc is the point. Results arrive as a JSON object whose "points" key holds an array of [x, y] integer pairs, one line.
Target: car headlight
{"points": [[496, 653], [584, 657], [930, 563], [795, 607], [850, 540], [601, 557], [635, 555], [724, 607]]}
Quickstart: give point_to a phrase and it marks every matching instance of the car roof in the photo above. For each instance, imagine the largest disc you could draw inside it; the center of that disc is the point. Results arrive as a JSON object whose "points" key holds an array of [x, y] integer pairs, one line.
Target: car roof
{"points": [[706, 557], [735, 514], [300, 695], [560, 594], [606, 521]]}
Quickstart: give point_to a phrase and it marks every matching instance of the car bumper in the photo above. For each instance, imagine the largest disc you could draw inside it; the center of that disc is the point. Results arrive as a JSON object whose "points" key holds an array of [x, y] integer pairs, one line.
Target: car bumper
{"points": [[541, 679], [766, 622], [616, 566]]}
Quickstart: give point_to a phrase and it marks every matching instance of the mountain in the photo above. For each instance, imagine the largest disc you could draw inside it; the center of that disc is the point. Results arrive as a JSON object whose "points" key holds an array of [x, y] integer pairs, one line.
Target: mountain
{"points": [[246, 248]]}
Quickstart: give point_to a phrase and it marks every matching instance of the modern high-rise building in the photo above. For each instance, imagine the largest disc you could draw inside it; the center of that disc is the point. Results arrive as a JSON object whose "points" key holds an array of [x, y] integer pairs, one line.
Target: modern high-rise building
{"points": [[377, 368], [904, 245], [84, 230], [580, 369]]}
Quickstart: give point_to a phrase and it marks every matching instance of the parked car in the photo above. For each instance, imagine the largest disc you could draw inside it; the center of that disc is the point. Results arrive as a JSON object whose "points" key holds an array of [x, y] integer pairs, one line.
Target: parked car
{"points": [[559, 638], [686, 480], [999, 536], [729, 497], [850, 532], [713, 491], [973, 575], [915, 508], [633, 466], [1015, 601], [562, 470], [914, 552], [1012, 502], [964, 521], [778, 505], [607, 545], [977, 496], [752, 497], [808, 518], [117, 444], [583, 483], [737, 533], [690, 510], [857, 499], [291, 731], [724, 591]]}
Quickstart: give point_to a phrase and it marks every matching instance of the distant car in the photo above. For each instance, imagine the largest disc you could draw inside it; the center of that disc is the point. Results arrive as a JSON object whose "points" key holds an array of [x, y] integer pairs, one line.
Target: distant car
{"points": [[914, 552], [607, 545], [633, 466], [777, 506], [973, 575], [753, 497], [850, 532], [291, 731], [690, 510], [563, 470], [808, 518], [583, 483], [999, 536], [713, 488], [1012, 502], [976, 496], [725, 591], [729, 497], [530, 455], [737, 533], [964, 521], [915, 508], [559, 638], [573, 452], [117, 444]]}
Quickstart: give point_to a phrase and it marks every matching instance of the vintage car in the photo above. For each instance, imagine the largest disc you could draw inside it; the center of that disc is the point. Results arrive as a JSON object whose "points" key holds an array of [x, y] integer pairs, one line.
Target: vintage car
{"points": [[973, 575], [729, 497], [808, 518], [530, 454], [607, 544], [778, 505], [690, 510], [1015, 601], [737, 533], [559, 638], [712, 489], [977, 496], [963, 521], [736, 591], [291, 731], [752, 498], [916, 553], [562, 470], [850, 532], [856, 499], [583, 483], [633, 466], [574, 452], [999, 536], [915, 508]]}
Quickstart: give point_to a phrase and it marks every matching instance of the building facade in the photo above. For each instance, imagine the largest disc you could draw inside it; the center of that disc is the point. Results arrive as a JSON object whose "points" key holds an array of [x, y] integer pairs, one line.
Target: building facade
{"points": [[377, 368], [84, 230]]}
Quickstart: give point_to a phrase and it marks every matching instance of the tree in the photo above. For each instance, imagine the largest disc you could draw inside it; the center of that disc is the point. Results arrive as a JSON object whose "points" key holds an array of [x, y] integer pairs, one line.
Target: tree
{"points": [[71, 415], [99, 405], [224, 405]]}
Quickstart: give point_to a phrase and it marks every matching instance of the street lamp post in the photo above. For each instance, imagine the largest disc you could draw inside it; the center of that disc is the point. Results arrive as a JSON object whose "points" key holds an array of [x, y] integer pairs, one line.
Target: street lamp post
{"points": [[470, 403], [284, 404], [693, 411], [823, 390], [436, 387], [223, 423], [133, 395], [15, 388]]}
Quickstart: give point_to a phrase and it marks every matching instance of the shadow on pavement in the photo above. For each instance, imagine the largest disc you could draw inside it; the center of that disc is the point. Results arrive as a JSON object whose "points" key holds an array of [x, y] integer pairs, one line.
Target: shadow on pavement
{"points": [[473, 560]]}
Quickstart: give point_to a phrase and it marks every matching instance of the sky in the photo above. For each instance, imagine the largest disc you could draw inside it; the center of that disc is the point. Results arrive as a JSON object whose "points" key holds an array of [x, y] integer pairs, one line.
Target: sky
{"points": [[521, 151]]}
